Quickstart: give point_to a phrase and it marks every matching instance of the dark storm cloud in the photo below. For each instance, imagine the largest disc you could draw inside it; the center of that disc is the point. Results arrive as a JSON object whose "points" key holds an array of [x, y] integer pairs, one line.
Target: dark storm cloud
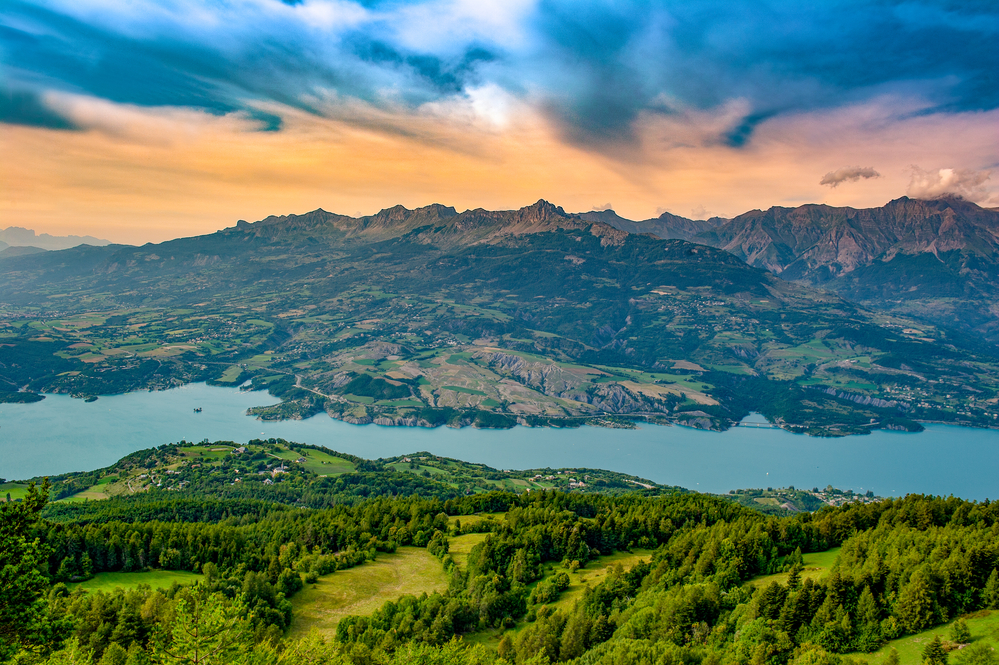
{"points": [[623, 59], [594, 67]]}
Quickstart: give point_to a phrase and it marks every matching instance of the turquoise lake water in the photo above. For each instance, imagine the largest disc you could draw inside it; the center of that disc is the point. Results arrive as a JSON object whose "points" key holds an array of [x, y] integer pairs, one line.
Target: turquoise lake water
{"points": [[61, 434]]}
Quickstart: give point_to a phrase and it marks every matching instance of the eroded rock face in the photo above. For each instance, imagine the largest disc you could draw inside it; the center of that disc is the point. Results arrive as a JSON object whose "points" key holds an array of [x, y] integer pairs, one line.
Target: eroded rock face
{"points": [[935, 259], [556, 381]]}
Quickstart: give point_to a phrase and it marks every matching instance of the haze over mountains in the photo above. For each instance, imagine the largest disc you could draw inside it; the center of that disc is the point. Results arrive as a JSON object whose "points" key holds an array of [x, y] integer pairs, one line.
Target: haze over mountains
{"points": [[15, 236]]}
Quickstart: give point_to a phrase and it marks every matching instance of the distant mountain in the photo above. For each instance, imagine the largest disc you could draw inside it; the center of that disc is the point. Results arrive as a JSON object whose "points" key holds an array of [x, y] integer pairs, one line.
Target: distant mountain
{"points": [[431, 316], [935, 259], [7, 251], [15, 236], [667, 225]]}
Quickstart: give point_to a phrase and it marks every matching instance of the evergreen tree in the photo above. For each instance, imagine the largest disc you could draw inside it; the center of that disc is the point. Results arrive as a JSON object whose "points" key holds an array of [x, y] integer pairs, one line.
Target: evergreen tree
{"points": [[892, 658], [205, 632], [990, 595], [934, 653], [23, 614], [794, 577], [959, 632], [915, 604], [505, 648]]}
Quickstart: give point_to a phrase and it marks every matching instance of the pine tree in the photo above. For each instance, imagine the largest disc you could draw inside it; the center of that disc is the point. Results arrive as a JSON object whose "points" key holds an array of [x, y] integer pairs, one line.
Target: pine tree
{"points": [[892, 658], [505, 648], [915, 605], [990, 596], [23, 618], [959, 632], [794, 577], [934, 653]]}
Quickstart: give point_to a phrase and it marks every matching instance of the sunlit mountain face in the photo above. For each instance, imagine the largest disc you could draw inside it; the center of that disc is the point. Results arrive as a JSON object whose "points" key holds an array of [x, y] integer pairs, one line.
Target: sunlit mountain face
{"points": [[158, 118]]}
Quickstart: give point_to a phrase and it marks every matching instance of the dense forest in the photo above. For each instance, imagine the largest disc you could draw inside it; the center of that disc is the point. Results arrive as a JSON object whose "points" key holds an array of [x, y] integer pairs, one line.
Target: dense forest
{"points": [[904, 565]]}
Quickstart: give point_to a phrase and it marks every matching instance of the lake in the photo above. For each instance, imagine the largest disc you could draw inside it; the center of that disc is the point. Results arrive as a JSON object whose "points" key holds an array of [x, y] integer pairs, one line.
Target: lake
{"points": [[61, 434]]}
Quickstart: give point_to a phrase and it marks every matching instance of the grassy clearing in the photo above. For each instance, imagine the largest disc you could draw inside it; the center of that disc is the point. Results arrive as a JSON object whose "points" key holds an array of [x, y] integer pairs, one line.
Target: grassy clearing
{"points": [[593, 574], [816, 566], [158, 579], [362, 590], [984, 627], [15, 490], [319, 462], [231, 374], [460, 547]]}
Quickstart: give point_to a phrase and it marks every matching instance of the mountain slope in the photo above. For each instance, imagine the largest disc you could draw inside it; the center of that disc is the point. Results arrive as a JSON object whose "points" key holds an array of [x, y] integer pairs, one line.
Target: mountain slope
{"points": [[935, 259], [667, 226], [430, 316]]}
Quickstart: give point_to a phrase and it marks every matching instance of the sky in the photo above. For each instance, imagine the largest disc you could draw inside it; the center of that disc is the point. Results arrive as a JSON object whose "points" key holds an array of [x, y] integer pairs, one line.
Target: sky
{"points": [[143, 120]]}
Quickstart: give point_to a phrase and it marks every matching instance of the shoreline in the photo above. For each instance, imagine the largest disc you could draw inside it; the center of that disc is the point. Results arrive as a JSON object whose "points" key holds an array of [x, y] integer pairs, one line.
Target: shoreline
{"points": [[701, 421]]}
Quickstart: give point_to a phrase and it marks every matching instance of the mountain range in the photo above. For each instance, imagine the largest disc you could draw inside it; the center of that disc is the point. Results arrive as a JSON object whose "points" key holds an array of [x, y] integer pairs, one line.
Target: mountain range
{"points": [[491, 318], [938, 259], [15, 236]]}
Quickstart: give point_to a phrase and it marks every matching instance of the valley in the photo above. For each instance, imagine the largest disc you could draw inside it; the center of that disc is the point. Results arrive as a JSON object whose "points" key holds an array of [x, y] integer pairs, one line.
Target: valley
{"points": [[430, 317]]}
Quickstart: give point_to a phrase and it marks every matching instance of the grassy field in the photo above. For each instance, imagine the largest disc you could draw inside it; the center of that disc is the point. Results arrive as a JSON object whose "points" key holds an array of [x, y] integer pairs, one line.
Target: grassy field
{"points": [[984, 627], [95, 493], [593, 574], [461, 546], [158, 579], [319, 462], [15, 490], [816, 566], [362, 590]]}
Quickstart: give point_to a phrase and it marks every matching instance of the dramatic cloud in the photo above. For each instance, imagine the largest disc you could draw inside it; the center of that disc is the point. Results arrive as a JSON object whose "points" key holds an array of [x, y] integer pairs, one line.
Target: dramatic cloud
{"points": [[595, 69], [603, 206], [848, 174], [187, 114], [966, 183]]}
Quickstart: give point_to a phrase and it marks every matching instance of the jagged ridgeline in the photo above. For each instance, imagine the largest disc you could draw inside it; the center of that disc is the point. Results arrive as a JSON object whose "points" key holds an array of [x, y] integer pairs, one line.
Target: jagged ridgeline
{"points": [[490, 578], [432, 317], [938, 259]]}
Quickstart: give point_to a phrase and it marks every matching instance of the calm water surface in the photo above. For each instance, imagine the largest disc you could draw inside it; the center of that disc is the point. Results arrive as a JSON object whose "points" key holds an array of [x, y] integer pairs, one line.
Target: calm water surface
{"points": [[61, 434]]}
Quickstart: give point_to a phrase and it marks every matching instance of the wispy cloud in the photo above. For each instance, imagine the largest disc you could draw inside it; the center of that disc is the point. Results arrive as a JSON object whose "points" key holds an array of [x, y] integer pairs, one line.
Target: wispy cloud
{"points": [[848, 174]]}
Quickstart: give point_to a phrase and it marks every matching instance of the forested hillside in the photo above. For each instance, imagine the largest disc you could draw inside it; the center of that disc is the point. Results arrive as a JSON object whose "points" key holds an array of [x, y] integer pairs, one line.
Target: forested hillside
{"points": [[903, 565]]}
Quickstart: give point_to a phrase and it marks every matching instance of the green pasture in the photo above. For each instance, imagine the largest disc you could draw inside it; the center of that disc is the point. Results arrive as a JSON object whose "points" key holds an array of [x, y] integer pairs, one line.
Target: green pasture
{"points": [[15, 490], [157, 579], [460, 547], [815, 566], [984, 627], [319, 462], [363, 589], [594, 573]]}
